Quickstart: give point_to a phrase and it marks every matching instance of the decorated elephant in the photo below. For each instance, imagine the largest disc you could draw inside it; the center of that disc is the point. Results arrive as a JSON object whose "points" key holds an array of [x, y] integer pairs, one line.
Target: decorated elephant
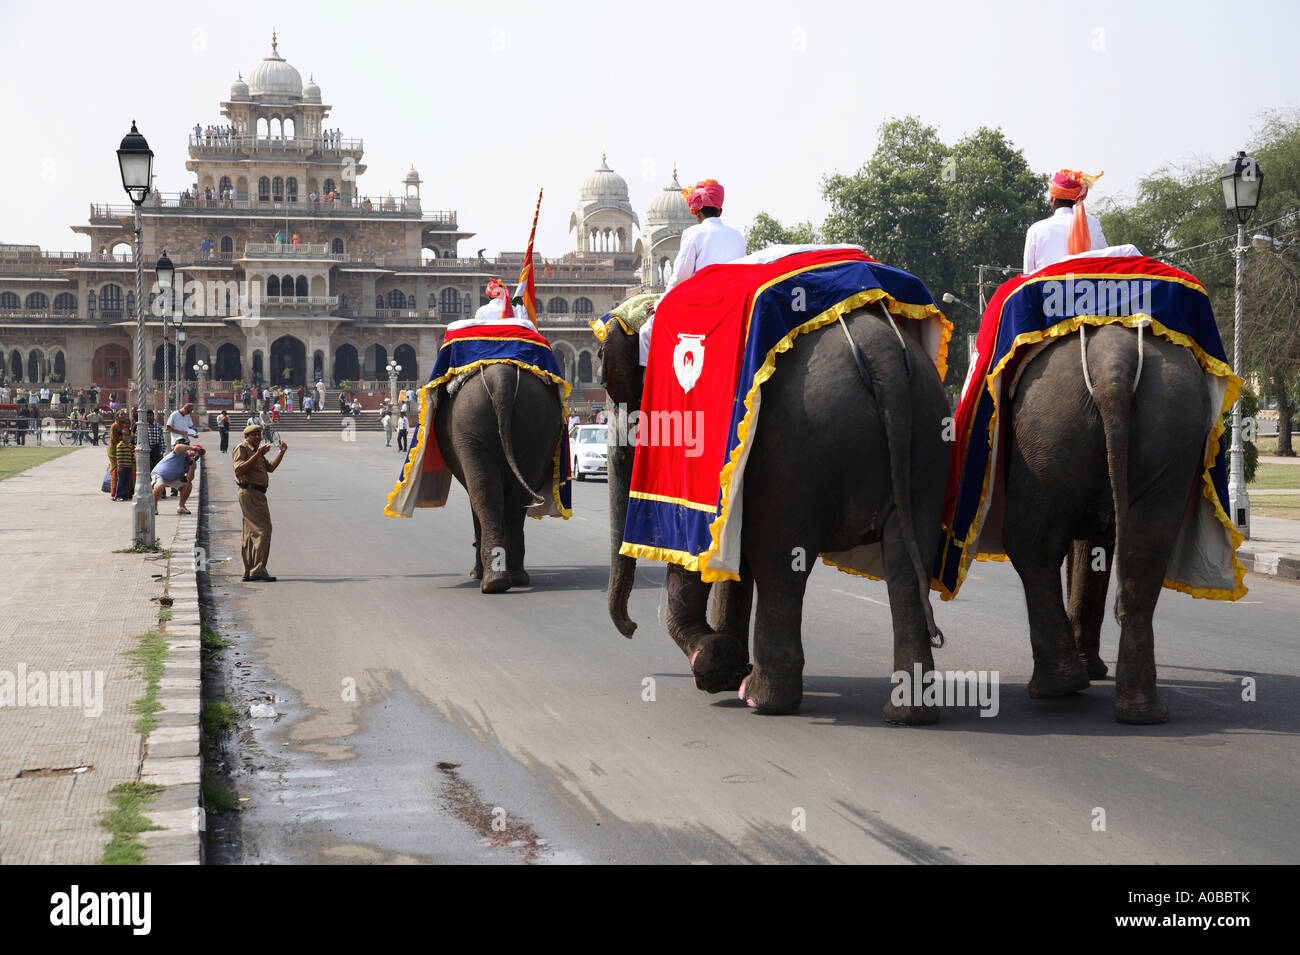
{"points": [[1108, 450], [850, 452], [498, 426]]}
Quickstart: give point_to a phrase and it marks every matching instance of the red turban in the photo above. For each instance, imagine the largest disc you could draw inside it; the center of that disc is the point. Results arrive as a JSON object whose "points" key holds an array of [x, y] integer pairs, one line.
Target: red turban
{"points": [[497, 289], [707, 192], [1072, 184]]}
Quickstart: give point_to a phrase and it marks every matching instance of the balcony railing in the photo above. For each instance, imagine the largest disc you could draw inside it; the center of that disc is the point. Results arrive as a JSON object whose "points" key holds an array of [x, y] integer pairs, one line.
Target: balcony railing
{"points": [[276, 144], [288, 250], [244, 204]]}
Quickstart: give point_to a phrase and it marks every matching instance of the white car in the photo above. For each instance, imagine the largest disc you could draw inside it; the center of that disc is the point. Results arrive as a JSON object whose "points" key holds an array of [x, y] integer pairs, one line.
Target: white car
{"points": [[588, 446]]}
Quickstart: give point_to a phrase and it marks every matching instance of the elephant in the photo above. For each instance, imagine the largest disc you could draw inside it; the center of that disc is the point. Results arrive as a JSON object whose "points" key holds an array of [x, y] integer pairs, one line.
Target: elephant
{"points": [[497, 429], [1091, 478], [843, 457]]}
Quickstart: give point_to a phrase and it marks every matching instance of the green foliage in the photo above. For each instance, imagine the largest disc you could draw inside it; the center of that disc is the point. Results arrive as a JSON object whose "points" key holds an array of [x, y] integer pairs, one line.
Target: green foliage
{"points": [[767, 230], [1250, 456], [147, 659], [218, 797], [126, 822], [218, 716]]}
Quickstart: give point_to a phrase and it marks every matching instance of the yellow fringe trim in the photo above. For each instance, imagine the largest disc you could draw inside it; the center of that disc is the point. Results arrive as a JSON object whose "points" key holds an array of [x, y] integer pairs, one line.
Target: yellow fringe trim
{"points": [[426, 407], [1208, 363]]}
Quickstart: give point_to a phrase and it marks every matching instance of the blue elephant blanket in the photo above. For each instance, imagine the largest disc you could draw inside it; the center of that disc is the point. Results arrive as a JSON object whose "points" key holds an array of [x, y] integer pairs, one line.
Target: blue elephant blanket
{"points": [[1025, 314], [425, 478]]}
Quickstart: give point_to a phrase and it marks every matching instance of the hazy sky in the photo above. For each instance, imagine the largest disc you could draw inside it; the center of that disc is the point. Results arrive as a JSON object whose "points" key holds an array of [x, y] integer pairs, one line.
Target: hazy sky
{"points": [[493, 100]]}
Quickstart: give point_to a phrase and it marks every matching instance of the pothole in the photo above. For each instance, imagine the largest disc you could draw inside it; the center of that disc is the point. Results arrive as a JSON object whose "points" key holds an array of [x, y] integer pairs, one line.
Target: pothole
{"points": [[62, 771]]}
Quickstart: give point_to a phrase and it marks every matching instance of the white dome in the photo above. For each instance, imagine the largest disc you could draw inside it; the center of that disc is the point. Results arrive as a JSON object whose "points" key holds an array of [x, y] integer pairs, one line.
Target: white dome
{"points": [[669, 207], [274, 77], [239, 89], [310, 92], [604, 183], [412, 176]]}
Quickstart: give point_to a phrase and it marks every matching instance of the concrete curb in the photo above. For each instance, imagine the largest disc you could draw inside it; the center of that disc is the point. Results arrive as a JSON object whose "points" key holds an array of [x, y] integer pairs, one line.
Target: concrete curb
{"points": [[172, 751], [1270, 562]]}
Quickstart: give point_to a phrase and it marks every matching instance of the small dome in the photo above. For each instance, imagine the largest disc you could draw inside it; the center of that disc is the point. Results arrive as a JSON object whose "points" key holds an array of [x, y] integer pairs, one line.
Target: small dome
{"points": [[669, 207], [274, 77], [412, 176], [239, 89], [311, 92], [604, 183]]}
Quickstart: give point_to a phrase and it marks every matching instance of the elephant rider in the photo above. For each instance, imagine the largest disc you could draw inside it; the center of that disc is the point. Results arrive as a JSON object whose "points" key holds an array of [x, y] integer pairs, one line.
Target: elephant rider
{"points": [[251, 473], [499, 310], [1069, 230], [708, 243]]}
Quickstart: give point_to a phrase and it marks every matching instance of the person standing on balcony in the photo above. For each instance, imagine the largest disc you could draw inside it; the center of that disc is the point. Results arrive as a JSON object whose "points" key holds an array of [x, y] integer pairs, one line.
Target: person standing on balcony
{"points": [[297, 244]]}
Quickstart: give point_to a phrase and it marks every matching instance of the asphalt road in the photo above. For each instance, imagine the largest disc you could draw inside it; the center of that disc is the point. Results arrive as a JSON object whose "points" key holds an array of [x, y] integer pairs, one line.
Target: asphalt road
{"points": [[422, 721]]}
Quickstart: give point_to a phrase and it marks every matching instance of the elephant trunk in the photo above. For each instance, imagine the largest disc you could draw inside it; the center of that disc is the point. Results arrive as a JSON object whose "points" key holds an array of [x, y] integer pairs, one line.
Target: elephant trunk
{"points": [[622, 570], [503, 391]]}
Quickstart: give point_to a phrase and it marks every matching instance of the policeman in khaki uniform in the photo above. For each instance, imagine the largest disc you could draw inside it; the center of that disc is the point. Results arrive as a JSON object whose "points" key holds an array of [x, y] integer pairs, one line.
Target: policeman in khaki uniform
{"points": [[251, 474]]}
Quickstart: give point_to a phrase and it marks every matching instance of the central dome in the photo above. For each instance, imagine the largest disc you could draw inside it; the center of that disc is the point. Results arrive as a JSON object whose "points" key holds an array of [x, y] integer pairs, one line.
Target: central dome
{"points": [[669, 207], [604, 183], [274, 77]]}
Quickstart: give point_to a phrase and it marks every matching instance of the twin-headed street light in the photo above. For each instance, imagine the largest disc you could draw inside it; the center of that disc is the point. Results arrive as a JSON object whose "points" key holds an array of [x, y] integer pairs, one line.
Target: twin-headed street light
{"points": [[1242, 183], [393, 369], [135, 159]]}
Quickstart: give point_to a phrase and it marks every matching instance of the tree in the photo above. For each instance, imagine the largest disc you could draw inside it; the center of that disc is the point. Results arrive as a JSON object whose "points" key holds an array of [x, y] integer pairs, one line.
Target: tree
{"points": [[939, 212], [767, 230]]}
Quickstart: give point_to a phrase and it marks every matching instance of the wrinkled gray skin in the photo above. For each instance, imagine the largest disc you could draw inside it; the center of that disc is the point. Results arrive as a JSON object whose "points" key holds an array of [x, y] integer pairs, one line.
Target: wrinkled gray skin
{"points": [[494, 444], [1112, 471], [822, 476]]}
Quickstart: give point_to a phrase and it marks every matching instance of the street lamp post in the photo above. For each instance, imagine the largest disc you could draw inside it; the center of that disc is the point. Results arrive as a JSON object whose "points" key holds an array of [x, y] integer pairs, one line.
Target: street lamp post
{"points": [[166, 273], [393, 369], [135, 159], [1242, 183], [180, 350], [201, 372]]}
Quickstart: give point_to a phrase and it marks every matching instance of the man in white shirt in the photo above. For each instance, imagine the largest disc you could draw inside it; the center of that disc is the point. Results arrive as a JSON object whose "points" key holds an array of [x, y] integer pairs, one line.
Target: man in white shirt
{"points": [[1069, 230], [181, 425], [494, 312], [708, 243]]}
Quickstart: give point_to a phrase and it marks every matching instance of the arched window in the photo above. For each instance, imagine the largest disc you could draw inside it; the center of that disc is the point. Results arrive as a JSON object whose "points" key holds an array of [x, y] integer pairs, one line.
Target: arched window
{"points": [[337, 246], [277, 189], [449, 302], [16, 365], [291, 189], [404, 355], [35, 371], [10, 302], [328, 187], [300, 285], [264, 189], [582, 306], [433, 299], [584, 367], [227, 366], [65, 303], [110, 300], [60, 367], [225, 187], [273, 285], [557, 306], [130, 304], [396, 299], [90, 301], [379, 301], [227, 244], [286, 285], [38, 301]]}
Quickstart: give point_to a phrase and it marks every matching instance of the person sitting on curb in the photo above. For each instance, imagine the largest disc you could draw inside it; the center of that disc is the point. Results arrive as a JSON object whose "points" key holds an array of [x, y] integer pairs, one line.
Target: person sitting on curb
{"points": [[176, 470]]}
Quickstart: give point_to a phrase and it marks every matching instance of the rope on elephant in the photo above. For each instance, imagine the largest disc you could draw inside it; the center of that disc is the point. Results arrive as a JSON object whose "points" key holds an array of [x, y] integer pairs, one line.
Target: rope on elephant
{"points": [[1083, 353]]}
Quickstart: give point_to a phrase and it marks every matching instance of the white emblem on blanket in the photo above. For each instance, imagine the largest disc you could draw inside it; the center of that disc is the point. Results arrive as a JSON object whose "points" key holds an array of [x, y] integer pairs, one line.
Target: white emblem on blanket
{"points": [[688, 360]]}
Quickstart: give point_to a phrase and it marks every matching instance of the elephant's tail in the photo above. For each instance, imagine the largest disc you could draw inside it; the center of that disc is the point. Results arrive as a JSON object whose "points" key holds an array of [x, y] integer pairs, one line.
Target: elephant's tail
{"points": [[1112, 382], [892, 366], [505, 410]]}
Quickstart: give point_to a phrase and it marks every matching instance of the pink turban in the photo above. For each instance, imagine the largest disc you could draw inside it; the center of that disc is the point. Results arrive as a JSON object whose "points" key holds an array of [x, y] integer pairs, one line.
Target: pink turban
{"points": [[707, 192], [497, 289], [1072, 184]]}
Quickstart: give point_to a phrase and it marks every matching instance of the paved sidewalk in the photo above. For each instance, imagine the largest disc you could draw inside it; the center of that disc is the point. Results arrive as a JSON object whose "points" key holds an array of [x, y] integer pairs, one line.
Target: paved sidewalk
{"points": [[1274, 545], [68, 603]]}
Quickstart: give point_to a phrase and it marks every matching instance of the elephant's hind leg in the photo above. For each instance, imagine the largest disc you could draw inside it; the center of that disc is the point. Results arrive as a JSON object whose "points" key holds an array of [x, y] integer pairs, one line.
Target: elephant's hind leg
{"points": [[911, 638], [1088, 579], [775, 685], [514, 520]]}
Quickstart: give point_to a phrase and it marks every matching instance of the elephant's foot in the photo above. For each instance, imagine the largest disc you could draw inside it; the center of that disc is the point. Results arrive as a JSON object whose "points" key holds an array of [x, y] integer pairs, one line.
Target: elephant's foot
{"points": [[1140, 709], [910, 715], [762, 692], [520, 578], [1058, 681], [476, 572], [495, 582], [719, 663], [1095, 666]]}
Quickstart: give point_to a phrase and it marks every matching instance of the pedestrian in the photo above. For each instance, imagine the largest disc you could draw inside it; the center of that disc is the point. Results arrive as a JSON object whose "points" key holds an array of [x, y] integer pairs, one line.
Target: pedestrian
{"points": [[356, 407], [154, 435], [388, 430], [308, 405], [93, 419], [124, 464], [402, 427], [288, 401], [223, 429], [275, 413], [116, 433], [252, 472], [176, 471]]}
